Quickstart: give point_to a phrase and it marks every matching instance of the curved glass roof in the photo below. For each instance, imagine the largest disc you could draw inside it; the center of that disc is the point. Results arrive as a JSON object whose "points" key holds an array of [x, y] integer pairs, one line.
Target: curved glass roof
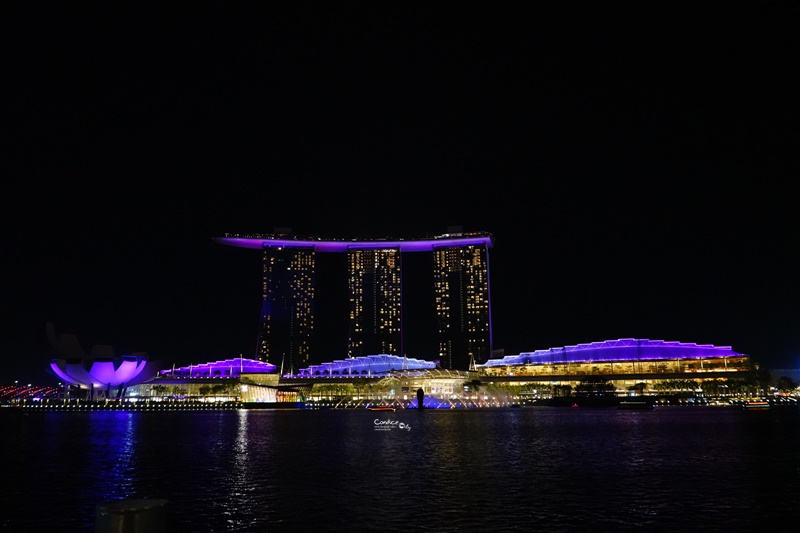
{"points": [[414, 245], [618, 350], [368, 365], [226, 368]]}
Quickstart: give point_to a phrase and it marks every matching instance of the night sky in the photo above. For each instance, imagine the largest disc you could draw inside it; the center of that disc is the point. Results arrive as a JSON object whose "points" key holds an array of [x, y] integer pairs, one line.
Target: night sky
{"points": [[637, 168]]}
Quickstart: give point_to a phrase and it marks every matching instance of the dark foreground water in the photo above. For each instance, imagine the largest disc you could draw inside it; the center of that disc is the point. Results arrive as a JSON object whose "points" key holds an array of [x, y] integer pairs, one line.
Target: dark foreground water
{"points": [[526, 469]]}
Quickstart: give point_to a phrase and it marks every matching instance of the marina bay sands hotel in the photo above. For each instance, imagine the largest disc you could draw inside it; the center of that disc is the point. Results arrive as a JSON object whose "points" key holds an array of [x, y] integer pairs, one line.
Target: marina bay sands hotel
{"points": [[460, 291]]}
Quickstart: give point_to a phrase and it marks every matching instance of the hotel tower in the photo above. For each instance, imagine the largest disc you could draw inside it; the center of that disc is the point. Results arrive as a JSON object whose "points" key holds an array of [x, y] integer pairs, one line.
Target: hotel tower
{"points": [[460, 292]]}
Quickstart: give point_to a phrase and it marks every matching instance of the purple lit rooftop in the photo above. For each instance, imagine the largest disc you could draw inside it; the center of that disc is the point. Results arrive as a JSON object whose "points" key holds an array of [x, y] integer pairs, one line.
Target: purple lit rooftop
{"points": [[259, 242], [616, 350], [368, 365], [227, 368]]}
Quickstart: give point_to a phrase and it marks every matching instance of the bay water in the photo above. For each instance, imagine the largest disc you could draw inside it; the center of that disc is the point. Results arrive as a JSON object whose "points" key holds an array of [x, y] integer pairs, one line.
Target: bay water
{"points": [[508, 469]]}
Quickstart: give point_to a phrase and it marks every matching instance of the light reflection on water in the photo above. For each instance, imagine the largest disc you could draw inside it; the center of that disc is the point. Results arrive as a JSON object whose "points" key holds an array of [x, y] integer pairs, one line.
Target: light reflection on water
{"points": [[685, 468]]}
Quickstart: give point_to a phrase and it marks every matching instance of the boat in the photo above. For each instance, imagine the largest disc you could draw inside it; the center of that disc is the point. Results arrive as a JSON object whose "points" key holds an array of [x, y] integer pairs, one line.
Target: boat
{"points": [[755, 405], [381, 408], [636, 405]]}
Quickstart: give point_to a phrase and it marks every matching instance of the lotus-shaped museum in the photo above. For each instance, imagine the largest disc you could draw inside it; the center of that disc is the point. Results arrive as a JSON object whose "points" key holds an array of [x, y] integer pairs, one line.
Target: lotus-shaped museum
{"points": [[104, 373], [101, 373]]}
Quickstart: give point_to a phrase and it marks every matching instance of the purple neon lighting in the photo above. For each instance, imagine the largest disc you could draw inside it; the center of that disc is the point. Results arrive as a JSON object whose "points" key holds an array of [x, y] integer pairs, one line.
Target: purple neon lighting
{"points": [[102, 373], [616, 350], [62, 374], [421, 245], [366, 365], [225, 368]]}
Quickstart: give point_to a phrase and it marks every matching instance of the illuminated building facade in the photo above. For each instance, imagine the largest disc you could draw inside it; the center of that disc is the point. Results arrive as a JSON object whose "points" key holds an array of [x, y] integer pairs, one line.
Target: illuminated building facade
{"points": [[621, 356], [656, 364], [375, 288], [286, 325], [375, 284], [669, 371], [369, 365], [461, 275]]}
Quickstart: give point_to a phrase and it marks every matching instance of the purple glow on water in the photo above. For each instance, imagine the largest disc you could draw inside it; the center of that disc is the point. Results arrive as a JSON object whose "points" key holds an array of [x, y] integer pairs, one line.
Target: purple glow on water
{"points": [[430, 402], [422, 245], [616, 350]]}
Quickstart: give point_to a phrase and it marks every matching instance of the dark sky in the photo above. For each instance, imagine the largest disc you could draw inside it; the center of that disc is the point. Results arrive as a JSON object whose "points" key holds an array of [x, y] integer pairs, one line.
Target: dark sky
{"points": [[636, 167]]}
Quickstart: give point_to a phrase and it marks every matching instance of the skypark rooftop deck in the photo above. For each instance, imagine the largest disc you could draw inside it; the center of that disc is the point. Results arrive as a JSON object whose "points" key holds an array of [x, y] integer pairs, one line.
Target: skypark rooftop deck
{"points": [[261, 241]]}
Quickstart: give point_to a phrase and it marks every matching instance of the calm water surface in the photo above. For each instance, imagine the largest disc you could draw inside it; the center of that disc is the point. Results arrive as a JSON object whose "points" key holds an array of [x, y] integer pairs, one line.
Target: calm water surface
{"points": [[527, 469]]}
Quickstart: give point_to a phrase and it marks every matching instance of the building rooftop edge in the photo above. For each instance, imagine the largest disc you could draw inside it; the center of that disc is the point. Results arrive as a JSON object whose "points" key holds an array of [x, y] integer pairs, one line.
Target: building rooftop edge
{"points": [[261, 241]]}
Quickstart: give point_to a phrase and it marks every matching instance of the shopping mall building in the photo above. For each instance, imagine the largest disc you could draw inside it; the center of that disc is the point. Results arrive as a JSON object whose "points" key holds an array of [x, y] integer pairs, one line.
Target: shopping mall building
{"points": [[624, 366]]}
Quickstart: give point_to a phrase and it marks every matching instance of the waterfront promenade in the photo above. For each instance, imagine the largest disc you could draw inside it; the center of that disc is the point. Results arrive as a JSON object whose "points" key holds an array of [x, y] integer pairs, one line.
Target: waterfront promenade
{"points": [[152, 405]]}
